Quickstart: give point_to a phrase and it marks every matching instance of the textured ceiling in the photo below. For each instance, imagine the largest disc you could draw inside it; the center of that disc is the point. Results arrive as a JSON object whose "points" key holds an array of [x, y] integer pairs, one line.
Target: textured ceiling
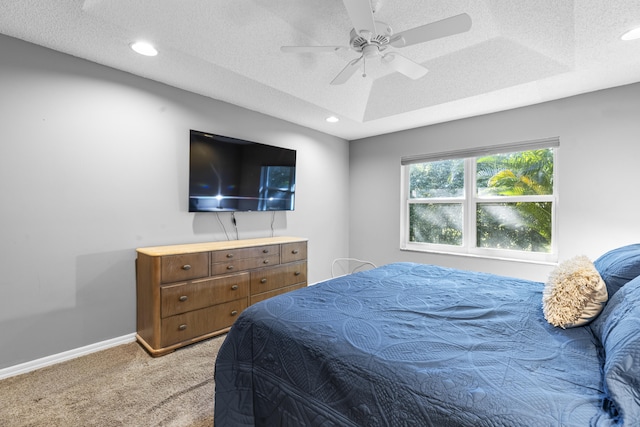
{"points": [[518, 52]]}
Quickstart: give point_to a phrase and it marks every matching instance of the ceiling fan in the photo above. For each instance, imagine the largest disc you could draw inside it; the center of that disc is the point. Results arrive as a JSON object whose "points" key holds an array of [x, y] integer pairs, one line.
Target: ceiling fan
{"points": [[372, 38]]}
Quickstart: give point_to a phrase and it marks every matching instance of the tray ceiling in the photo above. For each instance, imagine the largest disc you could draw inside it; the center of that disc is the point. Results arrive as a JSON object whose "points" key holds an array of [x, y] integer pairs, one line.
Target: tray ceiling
{"points": [[517, 53]]}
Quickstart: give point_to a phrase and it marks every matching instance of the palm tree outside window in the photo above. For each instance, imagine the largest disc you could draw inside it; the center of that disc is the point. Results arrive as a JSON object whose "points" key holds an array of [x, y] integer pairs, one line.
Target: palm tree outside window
{"points": [[500, 204]]}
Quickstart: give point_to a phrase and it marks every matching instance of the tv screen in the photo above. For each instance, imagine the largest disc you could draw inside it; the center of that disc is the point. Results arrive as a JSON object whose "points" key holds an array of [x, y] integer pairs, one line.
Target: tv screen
{"points": [[229, 174]]}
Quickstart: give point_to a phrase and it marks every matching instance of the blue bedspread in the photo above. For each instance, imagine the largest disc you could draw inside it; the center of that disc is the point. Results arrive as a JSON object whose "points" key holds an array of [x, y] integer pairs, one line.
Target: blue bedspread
{"points": [[408, 345]]}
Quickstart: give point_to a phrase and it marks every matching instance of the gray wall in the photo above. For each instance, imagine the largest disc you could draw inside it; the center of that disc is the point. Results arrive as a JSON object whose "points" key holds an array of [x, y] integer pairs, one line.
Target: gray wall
{"points": [[94, 163], [598, 166]]}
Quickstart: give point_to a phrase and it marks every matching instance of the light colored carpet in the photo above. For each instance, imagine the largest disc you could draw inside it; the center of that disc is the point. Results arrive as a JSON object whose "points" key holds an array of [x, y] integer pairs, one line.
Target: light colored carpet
{"points": [[120, 386]]}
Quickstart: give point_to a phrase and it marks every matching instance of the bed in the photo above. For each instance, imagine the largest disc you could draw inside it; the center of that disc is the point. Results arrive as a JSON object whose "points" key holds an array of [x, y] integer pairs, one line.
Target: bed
{"points": [[410, 344]]}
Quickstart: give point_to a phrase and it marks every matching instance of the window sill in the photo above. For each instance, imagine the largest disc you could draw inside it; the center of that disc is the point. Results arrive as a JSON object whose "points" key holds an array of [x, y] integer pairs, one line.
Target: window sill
{"points": [[482, 256]]}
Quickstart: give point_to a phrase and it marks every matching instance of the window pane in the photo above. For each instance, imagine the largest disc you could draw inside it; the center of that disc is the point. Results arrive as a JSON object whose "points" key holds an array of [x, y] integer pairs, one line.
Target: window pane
{"points": [[516, 226], [444, 178], [436, 223], [523, 173]]}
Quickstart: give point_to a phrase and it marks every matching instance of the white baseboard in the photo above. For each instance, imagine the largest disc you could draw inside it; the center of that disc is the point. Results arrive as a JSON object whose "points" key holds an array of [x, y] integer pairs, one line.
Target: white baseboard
{"points": [[23, 368]]}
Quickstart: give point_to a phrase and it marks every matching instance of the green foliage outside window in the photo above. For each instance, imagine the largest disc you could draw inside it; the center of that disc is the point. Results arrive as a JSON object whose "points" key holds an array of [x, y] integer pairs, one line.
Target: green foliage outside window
{"points": [[436, 223], [444, 178], [521, 224], [439, 223], [526, 173]]}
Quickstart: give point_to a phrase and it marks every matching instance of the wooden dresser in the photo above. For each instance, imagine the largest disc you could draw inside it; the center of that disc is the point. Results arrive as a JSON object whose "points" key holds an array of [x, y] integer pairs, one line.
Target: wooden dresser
{"points": [[187, 293]]}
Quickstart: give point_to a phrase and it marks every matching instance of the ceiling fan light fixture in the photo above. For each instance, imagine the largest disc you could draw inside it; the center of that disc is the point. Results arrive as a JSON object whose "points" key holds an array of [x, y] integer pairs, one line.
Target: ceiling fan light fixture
{"points": [[332, 119], [632, 34], [144, 48]]}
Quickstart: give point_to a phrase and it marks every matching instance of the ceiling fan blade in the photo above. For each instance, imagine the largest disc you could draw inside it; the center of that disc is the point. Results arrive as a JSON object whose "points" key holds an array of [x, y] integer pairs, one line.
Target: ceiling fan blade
{"points": [[404, 65], [311, 49], [347, 72], [446, 27], [361, 16]]}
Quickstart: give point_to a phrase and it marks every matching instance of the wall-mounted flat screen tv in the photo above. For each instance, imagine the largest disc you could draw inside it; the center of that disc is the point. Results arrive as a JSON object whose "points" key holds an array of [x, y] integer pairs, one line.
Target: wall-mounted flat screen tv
{"points": [[229, 174]]}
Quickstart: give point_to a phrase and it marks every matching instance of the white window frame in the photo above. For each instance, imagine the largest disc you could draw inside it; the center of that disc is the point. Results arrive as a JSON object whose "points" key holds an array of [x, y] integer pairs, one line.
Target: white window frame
{"points": [[471, 200]]}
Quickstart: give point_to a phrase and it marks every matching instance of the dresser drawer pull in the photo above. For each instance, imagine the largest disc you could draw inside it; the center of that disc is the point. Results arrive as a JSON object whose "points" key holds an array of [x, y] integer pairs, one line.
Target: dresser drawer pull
{"points": [[186, 267], [229, 255], [265, 251], [183, 298], [234, 288], [295, 251], [182, 327], [266, 261], [229, 267], [297, 273], [234, 312], [263, 280]]}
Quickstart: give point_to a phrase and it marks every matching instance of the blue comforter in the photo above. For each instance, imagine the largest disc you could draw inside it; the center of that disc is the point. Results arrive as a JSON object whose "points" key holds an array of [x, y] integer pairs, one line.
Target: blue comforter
{"points": [[408, 345]]}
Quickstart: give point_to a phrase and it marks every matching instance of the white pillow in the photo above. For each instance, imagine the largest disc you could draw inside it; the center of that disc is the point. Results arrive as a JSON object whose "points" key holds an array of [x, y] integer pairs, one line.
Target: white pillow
{"points": [[575, 293]]}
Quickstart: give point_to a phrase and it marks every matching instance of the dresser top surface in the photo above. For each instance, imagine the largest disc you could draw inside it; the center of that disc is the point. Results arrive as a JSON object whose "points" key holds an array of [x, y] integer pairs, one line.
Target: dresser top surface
{"points": [[216, 246]]}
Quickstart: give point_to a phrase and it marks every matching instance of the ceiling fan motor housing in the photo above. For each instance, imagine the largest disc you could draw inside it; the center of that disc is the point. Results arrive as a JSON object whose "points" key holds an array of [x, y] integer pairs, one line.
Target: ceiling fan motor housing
{"points": [[381, 39]]}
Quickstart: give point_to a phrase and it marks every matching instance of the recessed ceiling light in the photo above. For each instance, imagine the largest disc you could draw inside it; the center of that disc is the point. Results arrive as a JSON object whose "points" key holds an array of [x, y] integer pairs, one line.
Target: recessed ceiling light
{"points": [[631, 34], [144, 48], [332, 119]]}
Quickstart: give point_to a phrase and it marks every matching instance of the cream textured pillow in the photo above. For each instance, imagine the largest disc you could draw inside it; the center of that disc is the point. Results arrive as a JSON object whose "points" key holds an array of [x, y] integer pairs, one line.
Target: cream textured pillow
{"points": [[575, 293]]}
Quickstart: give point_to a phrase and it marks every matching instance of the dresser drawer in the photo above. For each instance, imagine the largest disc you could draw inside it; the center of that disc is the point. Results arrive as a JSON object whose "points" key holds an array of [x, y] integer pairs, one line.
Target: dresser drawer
{"points": [[266, 295], [267, 279], [244, 264], [186, 326], [242, 253], [183, 297], [176, 268], [291, 252]]}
